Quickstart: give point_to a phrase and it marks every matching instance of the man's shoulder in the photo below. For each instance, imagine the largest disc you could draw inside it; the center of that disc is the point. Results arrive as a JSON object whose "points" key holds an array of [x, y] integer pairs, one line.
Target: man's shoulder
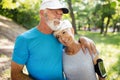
{"points": [[28, 33]]}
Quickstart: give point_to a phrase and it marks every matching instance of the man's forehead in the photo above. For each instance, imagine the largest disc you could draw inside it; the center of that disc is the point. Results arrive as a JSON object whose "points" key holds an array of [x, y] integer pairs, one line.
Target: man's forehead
{"points": [[54, 10]]}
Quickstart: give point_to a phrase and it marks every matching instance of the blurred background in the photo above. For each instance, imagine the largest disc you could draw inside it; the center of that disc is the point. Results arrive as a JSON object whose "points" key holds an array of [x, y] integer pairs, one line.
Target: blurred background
{"points": [[96, 19]]}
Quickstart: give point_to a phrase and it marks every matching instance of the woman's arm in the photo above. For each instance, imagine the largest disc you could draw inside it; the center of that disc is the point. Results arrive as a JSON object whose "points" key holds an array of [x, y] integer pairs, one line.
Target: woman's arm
{"points": [[96, 57], [100, 78]]}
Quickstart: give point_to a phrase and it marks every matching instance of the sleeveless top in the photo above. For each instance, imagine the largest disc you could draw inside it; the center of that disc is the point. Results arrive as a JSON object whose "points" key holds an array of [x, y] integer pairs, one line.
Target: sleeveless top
{"points": [[79, 66]]}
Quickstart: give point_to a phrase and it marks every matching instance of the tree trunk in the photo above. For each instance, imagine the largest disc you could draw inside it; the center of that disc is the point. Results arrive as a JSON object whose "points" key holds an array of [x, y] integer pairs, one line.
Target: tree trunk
{"points": [[79, 26], [114, 27], [89, 27], [72, 15], [108, 21], [88, 24], [102, 26], [118, 28]]}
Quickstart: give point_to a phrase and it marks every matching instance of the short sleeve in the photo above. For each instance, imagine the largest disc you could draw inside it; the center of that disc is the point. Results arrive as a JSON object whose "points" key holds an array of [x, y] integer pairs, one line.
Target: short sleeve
{"points": [[20, 52]]}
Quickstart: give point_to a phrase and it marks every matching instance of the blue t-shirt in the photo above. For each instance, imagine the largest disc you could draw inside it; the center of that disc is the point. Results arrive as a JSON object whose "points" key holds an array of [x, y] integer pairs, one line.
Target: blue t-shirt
{"points": [[41, 53]]}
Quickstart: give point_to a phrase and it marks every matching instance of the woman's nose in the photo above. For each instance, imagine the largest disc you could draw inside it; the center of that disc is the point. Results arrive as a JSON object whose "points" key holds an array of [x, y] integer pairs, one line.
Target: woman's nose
{"points": [[63, 39]]}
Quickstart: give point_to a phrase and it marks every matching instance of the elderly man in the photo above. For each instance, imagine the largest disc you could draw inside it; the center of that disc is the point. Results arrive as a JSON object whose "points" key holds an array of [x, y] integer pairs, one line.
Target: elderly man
{"points": [[38, 49]]}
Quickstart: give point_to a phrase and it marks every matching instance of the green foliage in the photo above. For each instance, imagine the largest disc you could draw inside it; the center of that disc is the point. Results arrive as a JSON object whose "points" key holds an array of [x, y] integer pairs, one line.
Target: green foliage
{"points": [[108, 10], [113, 4], [24, 12], [103, 13], [28, 18], [8, 4], [118, 0]]}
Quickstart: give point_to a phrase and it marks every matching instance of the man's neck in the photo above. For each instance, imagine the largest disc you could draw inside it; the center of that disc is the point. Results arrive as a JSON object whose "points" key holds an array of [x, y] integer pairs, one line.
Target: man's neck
{"points": [[44, 29]]}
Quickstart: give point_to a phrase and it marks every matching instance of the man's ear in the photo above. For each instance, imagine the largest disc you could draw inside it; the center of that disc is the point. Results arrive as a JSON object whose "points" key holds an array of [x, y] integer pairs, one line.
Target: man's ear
{"points": [[72, 30], [41, 12]]}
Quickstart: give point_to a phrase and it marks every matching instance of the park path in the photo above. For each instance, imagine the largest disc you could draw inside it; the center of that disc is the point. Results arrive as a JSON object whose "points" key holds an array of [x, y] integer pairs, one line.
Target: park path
{"points": [[9, 30]]}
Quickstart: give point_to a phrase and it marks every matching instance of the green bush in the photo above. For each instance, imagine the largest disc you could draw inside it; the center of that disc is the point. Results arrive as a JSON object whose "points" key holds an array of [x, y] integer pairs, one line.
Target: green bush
{"points": [[26, 14], [28, 18]]}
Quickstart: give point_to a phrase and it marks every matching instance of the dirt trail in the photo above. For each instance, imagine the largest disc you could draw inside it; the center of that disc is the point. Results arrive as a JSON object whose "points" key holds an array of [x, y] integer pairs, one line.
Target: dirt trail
{"points": [[9, 30]]}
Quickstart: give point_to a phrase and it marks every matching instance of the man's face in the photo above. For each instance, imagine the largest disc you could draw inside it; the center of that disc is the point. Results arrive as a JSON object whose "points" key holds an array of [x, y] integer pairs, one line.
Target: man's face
{"points": [[53, 18]]}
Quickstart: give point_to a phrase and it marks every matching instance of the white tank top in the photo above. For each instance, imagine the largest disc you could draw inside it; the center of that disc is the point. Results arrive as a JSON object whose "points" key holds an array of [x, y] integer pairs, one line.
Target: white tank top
{"points": [[79, 66]]}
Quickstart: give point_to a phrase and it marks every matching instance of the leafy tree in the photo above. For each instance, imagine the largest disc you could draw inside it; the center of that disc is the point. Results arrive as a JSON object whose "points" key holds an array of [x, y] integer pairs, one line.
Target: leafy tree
{"points": [[25, 12], [72, 15], [105, 9], [83, 13]]}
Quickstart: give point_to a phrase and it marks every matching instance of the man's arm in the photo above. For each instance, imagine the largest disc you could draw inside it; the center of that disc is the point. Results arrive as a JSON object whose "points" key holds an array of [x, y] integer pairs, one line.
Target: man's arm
{"points": [[17, 72], [89, 44]]}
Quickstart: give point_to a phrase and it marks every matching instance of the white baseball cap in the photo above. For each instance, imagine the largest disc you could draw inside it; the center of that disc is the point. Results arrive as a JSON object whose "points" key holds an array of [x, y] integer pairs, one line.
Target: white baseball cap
{"points": [[63, 25], [53, 4]]}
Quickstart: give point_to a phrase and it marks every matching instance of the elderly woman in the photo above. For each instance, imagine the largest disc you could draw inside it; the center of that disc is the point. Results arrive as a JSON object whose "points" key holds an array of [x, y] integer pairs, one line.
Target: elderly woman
{"points": [[73, 56]]}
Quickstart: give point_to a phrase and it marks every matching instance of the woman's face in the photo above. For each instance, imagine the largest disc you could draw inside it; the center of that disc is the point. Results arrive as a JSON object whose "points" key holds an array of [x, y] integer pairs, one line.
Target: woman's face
{"points": [[66, 37]]}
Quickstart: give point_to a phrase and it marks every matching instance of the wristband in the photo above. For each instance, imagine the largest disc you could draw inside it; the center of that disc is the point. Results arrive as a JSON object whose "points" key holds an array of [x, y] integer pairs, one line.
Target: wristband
{"points": [[100, 69]]}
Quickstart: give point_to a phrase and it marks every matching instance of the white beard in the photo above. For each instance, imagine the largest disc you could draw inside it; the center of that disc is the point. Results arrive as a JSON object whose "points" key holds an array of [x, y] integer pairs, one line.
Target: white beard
{"points": [[53, 24]]}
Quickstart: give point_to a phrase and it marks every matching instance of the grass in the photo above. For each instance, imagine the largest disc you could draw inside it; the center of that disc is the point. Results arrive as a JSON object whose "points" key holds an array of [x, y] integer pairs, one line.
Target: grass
{"points": [[109, 48]]}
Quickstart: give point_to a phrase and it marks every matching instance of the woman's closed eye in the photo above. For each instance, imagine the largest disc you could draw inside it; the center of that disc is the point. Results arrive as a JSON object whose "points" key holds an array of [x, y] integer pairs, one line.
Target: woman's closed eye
{"points": [[63, 32]]}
